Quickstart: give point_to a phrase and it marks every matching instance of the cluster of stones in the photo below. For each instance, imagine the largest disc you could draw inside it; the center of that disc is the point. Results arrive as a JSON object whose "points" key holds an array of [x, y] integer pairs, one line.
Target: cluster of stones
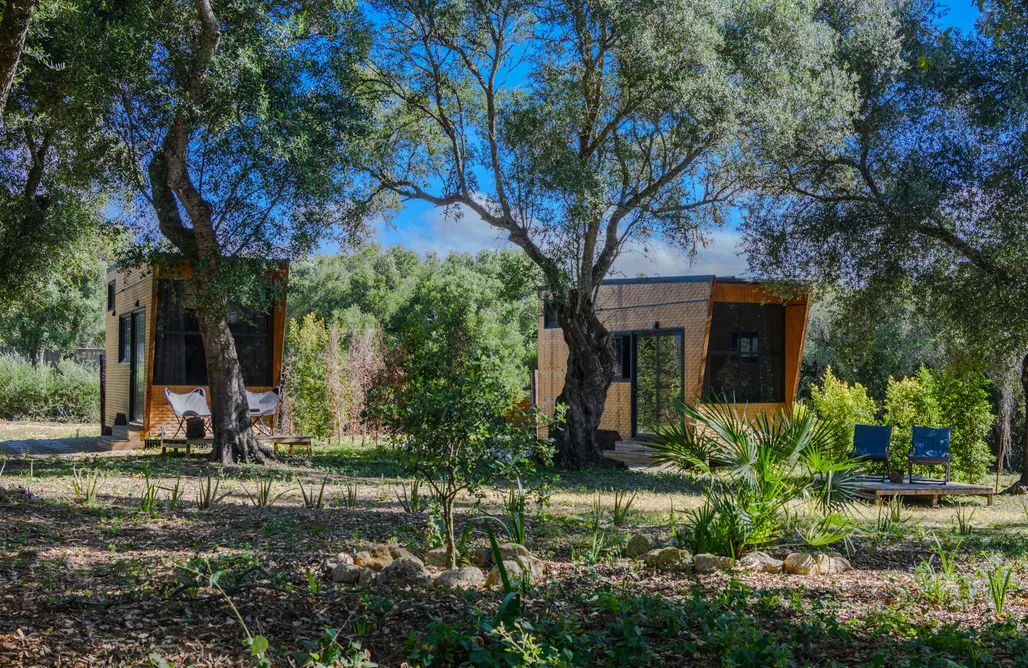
{"points": [[385, 565], [670, 557]]}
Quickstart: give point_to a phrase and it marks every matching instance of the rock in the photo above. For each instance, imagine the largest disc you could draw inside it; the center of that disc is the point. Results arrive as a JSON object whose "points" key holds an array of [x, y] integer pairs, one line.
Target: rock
{"points": [[329, 564], [461, 578], [346, 573], [481, 556], [516, 568], [366, 578], [669, 559], [799, 563], [437, 557], [511, 550], [405, 571], [377, 558], [672, 542], [704, 563], [827, 565], [761, 562], [639, 545], [403, 553]]}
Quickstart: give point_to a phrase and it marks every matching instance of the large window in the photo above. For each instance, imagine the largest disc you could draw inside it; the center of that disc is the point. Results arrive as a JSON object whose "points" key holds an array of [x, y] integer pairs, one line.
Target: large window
{"points": [[746, 353], [179, 357], [549, 317], [124, 338]]}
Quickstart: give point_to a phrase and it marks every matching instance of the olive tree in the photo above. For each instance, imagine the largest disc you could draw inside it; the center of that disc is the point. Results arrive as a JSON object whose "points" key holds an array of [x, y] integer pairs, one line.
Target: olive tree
{"points": [[925, 202], [237, 119], [577, 127]]}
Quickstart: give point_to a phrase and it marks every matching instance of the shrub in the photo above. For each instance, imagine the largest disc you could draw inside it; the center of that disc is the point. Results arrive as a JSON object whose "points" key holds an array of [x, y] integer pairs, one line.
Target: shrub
{"points": [[842, 404], [756, 467], [909, 402], [964, 405], [68, 391], [307, 386]]}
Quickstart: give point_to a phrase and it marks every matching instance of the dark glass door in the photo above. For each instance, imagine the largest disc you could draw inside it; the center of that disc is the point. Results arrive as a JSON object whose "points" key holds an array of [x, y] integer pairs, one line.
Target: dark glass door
{"points": [[657, 381], [136, 377]]}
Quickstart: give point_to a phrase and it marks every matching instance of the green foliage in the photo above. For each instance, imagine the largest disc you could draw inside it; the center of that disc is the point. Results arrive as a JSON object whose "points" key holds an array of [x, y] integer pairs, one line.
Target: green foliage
{"points": [[947, 397], [68, 391], [313, 497], [842, 404], [207, 491], [909, 402], [264, 494], [86, 485], [452, 396], [964, 404], [756, 467], [998, 584], [307, 389]]}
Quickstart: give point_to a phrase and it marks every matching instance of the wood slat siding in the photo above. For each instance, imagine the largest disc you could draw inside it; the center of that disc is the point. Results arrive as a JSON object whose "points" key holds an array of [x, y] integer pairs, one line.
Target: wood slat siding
{"points": [[138, 284], [131, 285], [675, 305]]}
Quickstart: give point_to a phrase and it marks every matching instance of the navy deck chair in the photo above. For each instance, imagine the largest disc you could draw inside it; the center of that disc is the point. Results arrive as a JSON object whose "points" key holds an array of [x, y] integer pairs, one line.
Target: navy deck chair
{"points": [[871, 444], [929, 446]]}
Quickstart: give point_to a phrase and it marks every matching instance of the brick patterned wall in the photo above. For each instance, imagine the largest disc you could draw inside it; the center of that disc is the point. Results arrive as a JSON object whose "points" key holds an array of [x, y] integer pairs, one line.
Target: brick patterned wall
{"points": [[624, 308], [160, 413], [674, 305], [132, 285], [133, 290]]}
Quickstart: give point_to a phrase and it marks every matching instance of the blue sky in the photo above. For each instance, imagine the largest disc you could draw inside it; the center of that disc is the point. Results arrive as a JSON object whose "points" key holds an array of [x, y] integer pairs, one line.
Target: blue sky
{"points": [[424, 229]]}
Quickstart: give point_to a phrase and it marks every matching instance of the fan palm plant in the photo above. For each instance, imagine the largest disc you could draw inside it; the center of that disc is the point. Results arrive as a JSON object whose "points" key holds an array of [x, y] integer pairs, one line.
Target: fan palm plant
{"points": [[755, 467]]}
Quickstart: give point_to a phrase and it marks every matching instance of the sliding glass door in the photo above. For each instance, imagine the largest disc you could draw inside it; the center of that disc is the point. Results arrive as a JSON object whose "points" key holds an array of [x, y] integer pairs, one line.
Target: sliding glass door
{"points": [[657, 381]]}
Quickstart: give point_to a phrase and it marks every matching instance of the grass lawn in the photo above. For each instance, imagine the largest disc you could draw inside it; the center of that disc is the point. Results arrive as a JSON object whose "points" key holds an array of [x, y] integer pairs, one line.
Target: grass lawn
{"points": [[23, 431], [106, 583]]}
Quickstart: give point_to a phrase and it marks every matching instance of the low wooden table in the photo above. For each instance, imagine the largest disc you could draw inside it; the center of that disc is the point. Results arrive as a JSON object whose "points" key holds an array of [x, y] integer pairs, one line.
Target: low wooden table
{"points": [[187, 444]]}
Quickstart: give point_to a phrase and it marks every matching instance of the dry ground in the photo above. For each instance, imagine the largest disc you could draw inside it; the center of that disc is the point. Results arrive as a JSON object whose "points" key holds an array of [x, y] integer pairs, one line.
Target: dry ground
{"points": [[105, 583]]}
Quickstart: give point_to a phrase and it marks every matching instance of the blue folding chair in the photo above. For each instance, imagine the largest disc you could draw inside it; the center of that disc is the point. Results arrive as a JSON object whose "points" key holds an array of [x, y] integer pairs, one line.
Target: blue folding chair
{"points": [[929, 446], [871, 444]]}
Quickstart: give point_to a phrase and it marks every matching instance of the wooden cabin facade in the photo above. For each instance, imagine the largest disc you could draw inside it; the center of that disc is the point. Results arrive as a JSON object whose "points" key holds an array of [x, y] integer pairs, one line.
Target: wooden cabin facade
{"points": [[153, 342], [685, 337]]}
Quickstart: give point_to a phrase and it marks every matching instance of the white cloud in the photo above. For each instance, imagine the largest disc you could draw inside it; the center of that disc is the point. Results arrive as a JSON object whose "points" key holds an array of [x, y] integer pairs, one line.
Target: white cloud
{"points": [[655, 257], [433, 231]]}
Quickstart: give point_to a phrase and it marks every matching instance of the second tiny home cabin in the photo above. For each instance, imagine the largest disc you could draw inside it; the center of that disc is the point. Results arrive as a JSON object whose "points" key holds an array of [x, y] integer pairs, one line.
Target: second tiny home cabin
{"points": [[154, 343], [688, 338]]}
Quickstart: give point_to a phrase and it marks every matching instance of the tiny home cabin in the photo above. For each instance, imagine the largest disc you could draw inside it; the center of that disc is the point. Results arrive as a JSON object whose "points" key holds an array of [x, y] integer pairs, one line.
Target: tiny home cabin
{"points": [[684, 337], [153, 343]]}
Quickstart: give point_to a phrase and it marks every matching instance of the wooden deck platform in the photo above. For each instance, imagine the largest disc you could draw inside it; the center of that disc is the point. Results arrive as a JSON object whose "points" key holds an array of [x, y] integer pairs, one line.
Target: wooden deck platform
{"points": [[188, 444], [876, 489]]}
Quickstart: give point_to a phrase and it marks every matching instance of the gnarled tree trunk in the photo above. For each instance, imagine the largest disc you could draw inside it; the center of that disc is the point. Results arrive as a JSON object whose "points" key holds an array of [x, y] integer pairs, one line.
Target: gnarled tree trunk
{"points": [[1020, 486], [14, 27], [171, 186], [589, 374]]}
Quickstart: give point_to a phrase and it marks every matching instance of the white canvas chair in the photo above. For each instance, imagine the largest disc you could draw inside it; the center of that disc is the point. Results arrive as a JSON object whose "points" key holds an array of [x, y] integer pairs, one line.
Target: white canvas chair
{"points": [[189, 405], [262, 405]]}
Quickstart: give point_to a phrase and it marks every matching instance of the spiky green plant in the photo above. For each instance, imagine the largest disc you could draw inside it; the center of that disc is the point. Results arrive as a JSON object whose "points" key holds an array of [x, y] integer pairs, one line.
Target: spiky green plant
{"points": [[312, 498], [754, 467], [84, 485], [414, 501], [999, 585], [264, 493], [207, 491], [622, 506]]}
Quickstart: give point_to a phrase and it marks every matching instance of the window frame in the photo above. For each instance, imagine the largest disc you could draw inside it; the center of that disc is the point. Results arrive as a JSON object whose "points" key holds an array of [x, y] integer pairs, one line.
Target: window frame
{"points": [[549, 321], [111, 296], [763, 356]]}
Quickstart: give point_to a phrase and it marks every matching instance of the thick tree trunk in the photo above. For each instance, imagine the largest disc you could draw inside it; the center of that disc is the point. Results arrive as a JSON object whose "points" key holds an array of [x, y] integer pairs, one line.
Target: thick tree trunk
{"points": [[234, 440], [589, 374], [13, 28], [451, 543], [1019, 486]]}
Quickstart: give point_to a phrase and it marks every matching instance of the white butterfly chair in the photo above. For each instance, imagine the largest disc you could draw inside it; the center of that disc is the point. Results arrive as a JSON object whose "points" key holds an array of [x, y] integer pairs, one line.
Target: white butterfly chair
{"points": [[262, 405], [189, 405]]}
